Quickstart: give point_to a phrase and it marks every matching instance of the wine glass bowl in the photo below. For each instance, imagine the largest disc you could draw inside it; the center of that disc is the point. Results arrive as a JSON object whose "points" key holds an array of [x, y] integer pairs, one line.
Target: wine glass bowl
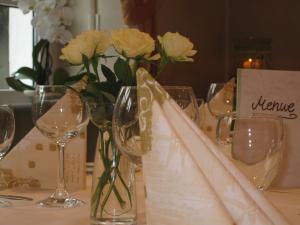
{"points": [[125, 123], [7, 131], [221, 98], [256, 145], [184, 96], [101, 113], [59, 114]]}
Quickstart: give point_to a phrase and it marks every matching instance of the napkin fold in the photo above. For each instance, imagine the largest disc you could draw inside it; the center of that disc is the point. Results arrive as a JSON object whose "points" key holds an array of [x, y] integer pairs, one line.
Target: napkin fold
{"points": [[33, 161], [188, 179]]}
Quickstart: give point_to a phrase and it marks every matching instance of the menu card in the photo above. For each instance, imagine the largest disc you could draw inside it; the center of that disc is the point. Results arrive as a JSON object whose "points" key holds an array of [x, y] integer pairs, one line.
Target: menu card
{"points": [[275, 92]]}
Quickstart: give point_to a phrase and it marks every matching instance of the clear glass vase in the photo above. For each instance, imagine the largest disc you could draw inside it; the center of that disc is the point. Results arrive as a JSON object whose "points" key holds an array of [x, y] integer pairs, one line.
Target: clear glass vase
{"points": [[113, 199]]}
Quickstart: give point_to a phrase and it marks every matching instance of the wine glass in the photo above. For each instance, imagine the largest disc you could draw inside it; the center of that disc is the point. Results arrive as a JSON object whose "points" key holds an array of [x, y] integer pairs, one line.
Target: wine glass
{"points": [[7, 131], [256, 145], [59, 114], [221, 98], [125, 123], [201, 108]]}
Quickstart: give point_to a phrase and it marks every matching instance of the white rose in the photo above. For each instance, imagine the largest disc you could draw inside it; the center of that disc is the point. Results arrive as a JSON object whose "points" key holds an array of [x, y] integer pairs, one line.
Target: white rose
{"points": [[177, 47]]}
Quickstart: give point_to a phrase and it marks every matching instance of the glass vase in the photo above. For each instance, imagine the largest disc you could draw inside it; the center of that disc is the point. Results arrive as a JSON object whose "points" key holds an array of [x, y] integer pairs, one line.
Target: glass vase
{"points": [[113, 199]]}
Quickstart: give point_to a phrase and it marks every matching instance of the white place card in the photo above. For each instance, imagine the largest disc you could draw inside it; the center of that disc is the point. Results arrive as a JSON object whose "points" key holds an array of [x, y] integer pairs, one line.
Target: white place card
{"points": [[275, 92]]}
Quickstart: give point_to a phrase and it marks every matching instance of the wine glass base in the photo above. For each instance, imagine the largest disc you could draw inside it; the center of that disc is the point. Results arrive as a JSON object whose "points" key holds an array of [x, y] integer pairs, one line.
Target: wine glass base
{"points": [[4, 204], [52, 202]]}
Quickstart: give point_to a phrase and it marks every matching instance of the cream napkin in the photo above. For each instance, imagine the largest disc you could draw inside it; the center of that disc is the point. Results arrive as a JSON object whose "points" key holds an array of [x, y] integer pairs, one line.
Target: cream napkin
{"points": [[188, 180]]}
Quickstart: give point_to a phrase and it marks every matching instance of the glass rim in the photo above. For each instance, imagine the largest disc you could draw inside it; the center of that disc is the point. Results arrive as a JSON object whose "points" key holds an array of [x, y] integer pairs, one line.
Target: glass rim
{"points": [[236, 115], [165, 86], [277, 119], [49, 85], [102, 103], [7, 107]]}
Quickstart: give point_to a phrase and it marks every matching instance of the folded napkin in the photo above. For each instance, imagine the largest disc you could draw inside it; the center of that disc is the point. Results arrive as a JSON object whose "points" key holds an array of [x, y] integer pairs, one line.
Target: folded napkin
{"points": [[33, 161], [208, 122], [188, 180]]}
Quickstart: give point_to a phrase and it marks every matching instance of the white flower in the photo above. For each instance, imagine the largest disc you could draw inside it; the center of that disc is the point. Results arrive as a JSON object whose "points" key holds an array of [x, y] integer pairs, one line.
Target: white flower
{"points": [[64, 2], [27, 5], [44, 7], [54, 33], [177, 47], [61, 16], [60, 34], [51, 18]]}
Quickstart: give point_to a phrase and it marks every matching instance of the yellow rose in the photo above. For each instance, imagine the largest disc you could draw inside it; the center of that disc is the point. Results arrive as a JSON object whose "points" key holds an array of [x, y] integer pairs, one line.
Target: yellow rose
{"points": [[132, 42], [100, 39], [87, 43], [177, 47], [74, 50]]}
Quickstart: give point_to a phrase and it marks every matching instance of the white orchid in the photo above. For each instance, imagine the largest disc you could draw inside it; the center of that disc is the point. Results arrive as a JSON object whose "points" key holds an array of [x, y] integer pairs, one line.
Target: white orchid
{"points": [[58, 34], [52, 18], [27, 5], [64, 3], [45, 6], [61, 15]]}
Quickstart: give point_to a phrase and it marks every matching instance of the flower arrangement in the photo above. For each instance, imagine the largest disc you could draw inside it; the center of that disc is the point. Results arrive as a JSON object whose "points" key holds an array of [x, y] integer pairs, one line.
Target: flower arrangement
{"points": [[133, 49], [52, 19]]}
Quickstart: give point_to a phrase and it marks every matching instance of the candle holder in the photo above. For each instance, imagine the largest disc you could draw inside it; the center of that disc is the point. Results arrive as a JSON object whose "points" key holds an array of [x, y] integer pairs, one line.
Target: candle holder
{"points": [[252, 53]]}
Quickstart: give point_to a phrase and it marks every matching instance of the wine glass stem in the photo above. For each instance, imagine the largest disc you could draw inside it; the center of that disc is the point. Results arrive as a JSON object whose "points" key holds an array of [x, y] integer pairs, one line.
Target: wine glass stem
{"points": [[61, 191]]}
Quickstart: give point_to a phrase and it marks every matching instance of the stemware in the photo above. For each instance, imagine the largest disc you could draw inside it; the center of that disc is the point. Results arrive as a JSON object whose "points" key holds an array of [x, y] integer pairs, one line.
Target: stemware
{"points": [[201, 109], [59, 114], [7, 131], [255, 145], [221, 98], [125, 123]]}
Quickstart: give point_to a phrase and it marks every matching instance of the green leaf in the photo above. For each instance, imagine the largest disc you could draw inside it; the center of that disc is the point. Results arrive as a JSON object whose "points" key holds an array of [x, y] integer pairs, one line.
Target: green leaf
{"points": [[92, 89], [60, 76], [86, 62], [17, 84], [100, 113], [94, 62], [88, 97], [108, 87], [122, 71], [109, 96], [108, 74], [28, 72], [35, 55], [97, 90], [73, 79], [164, 60]]}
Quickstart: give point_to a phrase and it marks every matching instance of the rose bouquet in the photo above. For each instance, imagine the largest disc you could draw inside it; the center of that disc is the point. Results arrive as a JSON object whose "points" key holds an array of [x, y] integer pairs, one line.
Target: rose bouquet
{"points": [[132, 49]]}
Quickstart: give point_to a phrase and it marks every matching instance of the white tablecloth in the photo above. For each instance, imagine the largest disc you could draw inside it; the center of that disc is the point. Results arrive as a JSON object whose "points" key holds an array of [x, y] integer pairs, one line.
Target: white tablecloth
{"points": [[27, 213], [287, 201]]}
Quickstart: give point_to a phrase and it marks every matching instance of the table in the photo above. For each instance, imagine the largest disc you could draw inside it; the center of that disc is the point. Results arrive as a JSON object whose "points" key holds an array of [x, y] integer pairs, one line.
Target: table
{"points": [[27, 213], [287, 201]]}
